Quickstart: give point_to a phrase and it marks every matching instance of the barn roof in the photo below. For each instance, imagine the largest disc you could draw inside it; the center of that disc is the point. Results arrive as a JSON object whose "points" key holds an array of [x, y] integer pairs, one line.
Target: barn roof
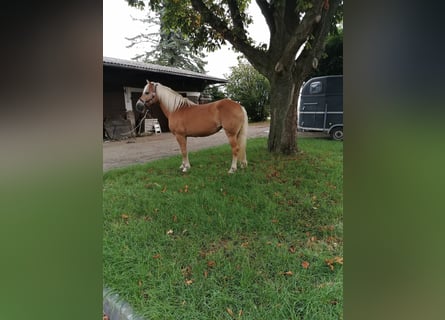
{"points": [[136, 65]]}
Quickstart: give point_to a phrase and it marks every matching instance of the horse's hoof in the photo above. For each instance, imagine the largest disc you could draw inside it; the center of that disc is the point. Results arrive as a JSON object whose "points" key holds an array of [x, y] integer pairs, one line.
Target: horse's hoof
{"points": [[244, 164], [232, 170]]}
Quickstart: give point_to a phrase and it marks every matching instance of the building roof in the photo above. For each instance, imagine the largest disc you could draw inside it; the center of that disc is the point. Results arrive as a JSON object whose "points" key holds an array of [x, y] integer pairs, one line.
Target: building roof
{"points": [[136, 65]]}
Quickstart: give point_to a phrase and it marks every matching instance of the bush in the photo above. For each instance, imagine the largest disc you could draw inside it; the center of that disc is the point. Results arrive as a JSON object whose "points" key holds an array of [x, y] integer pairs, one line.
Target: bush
{"points": [[247, 86]]}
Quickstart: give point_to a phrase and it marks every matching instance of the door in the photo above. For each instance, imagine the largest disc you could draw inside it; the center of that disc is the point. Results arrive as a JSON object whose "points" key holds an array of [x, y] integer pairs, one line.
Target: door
{"points": [[313, 104], [155, 112]]}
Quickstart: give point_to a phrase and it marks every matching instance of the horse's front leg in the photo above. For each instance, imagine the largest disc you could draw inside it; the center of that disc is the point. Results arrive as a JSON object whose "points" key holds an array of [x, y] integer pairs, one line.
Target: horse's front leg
{"points": [[182, 141]]}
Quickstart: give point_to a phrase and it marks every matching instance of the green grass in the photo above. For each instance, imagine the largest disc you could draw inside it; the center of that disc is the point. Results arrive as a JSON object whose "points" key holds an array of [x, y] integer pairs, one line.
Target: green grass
{"points": [[209, 245]]}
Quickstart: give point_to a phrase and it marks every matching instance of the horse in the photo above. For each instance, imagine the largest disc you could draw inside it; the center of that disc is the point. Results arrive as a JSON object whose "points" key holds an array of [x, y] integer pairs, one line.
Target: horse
{"points": [[188, 119]]}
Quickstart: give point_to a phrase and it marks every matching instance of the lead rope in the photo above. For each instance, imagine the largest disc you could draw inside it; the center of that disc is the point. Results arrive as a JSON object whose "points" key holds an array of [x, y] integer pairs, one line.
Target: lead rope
{"points": [[139, 124], [143, 118]]}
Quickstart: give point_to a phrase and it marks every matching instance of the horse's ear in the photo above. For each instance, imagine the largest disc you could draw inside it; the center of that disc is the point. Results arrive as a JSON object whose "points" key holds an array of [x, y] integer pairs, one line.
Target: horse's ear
{"points": [[147, 81]]}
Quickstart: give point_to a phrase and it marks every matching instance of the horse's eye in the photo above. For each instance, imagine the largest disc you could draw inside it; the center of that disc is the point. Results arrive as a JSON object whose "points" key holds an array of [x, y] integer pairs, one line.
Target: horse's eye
{"points": [[147, 92]]}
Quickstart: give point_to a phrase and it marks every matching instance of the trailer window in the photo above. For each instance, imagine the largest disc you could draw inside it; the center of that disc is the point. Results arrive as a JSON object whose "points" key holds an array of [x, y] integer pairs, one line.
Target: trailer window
{"points": [[315, 87]]}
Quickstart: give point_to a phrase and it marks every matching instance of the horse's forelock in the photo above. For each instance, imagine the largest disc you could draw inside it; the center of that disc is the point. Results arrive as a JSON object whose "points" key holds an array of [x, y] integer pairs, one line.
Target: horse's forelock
{"points": [[146, 88]]}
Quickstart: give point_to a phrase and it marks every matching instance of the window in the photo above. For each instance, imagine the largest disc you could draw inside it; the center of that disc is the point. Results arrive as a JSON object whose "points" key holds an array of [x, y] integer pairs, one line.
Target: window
{"points": [[315, 87]]}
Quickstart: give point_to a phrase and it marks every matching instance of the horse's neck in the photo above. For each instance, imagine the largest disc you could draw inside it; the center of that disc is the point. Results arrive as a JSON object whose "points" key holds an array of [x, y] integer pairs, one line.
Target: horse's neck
{"points": [[171, 101], [164, 109]]}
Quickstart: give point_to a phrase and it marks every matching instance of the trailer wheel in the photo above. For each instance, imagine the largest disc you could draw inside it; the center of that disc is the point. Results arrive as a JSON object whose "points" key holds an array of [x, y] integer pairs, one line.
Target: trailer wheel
{"points": [[337, 134]]}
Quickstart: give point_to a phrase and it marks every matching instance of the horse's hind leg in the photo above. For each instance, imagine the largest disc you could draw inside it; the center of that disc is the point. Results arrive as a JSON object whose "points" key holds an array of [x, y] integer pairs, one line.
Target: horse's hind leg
{"points": [[182, 141], [235, 149]]}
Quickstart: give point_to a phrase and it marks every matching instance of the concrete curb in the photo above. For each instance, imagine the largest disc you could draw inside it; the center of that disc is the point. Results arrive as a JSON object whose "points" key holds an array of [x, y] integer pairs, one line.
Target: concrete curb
{"points": [[117, 309]]}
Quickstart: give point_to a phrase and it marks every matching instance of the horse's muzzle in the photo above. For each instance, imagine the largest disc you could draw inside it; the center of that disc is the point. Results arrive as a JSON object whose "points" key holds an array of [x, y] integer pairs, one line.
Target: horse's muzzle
{"points": [[140, 105]]}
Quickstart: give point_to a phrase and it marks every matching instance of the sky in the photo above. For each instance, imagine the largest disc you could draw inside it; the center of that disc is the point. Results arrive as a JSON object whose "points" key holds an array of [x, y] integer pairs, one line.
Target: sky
{"points": [[118, 23]]}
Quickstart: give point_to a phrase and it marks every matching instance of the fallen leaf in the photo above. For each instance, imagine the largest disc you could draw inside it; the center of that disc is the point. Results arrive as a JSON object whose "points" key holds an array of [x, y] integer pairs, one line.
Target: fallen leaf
{"points": [[124, 216], [245, 244], [332, 240], [330, 262], [186, 188], [287, 273], [305, 264], [326, 228], [292, 249], [170, 232], [188, 281], [275, 220], [187, 272], [175, 218], [152, 185], [206, 274], [339, 260], [140, 283], [211, 264], [230, 312], [156, 256], [164, 190]]}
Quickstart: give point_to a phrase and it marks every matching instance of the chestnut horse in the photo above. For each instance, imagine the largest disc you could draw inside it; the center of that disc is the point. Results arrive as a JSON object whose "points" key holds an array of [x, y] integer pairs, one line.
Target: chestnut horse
{"points": [[188, 119]]}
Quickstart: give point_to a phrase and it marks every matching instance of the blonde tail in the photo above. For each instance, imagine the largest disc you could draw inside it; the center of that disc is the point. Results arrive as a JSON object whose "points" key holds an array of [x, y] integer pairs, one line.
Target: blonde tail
{"points": [[242, 140]]}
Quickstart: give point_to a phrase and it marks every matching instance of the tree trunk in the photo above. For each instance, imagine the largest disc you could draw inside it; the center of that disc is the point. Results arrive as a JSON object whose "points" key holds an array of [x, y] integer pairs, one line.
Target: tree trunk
{"points": [[283, 125]]}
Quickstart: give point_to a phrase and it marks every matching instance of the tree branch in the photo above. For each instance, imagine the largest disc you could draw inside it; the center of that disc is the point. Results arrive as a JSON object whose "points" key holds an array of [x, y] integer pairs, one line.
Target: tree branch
{"points": [[304, 63], [256, 57], [267, 11], [302, 30], [291, 18], [238, 26], [210, 18]]}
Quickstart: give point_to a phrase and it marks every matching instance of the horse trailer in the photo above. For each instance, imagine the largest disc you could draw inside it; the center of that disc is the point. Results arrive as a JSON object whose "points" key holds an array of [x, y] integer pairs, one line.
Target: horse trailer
{"points": [[321, 106]]}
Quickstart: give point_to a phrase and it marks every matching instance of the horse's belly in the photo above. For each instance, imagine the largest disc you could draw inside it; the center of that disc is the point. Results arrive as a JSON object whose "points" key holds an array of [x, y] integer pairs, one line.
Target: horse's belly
{"points": [[203, 131]]}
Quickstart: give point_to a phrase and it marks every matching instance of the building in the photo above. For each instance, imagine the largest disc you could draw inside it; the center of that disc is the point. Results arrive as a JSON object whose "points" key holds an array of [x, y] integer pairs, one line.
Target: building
{"points": [[123, 82]]}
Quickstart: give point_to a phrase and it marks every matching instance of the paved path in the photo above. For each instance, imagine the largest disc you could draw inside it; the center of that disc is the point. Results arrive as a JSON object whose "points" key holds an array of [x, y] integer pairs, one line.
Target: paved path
{"points": [[144, 149]]}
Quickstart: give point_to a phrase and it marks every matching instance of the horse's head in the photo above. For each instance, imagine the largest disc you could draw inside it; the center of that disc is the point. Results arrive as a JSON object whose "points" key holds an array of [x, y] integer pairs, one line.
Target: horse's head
{"points": [[148, 97]]}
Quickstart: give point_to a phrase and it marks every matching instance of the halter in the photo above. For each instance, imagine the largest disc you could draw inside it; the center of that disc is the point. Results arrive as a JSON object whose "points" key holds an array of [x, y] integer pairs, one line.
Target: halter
{"points": [[153, 95]]}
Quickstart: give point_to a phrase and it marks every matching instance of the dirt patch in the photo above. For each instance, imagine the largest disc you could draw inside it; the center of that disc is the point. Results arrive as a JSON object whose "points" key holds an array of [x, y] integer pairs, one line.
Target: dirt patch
{"points": [[123, 153]]}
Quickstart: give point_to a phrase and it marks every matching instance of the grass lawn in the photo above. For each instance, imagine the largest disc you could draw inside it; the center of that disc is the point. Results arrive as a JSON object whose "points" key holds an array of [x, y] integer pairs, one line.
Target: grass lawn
{"points": [[263, 243]]}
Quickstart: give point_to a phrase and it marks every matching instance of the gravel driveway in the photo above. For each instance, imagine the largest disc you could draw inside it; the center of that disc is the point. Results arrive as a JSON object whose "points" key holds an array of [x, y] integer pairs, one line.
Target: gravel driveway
{"points": [[123, 153]]}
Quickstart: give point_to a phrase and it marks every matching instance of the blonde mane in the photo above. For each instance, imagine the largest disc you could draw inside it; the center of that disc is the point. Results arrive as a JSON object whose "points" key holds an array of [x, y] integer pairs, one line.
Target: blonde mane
{"points": [[171, 99]]}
